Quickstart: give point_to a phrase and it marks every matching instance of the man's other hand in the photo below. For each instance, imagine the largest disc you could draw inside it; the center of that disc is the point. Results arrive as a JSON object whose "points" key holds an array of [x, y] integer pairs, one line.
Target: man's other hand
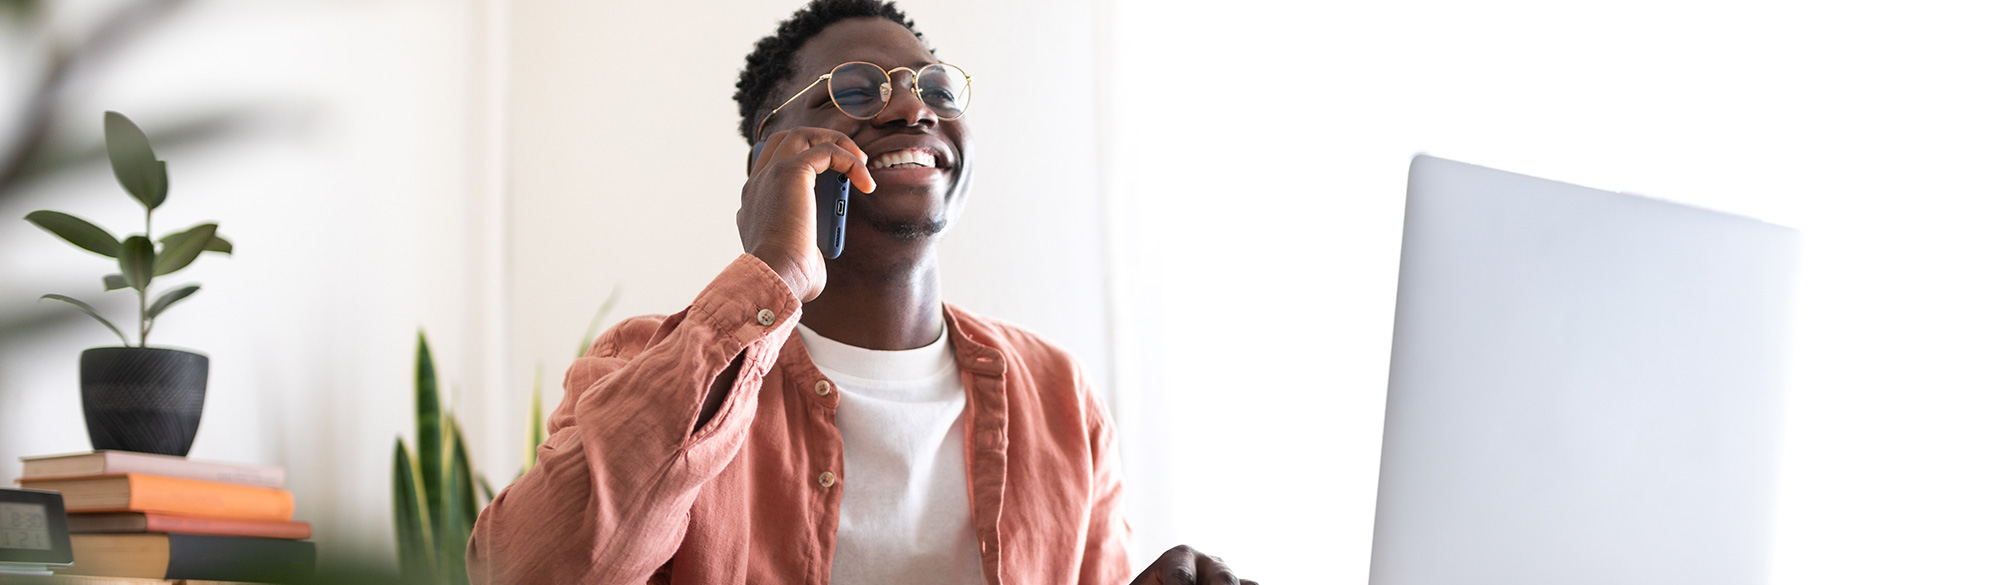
{"points": [[1181, 565], [776, 221]]}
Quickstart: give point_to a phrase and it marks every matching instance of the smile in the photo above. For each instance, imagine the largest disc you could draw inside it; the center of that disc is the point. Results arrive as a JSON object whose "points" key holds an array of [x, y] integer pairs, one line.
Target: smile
{"points": [[905, 158]]}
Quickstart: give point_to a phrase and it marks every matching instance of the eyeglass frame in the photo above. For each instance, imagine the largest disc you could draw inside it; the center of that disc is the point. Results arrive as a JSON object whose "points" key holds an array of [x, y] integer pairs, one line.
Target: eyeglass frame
{"points": [[889, 74]]}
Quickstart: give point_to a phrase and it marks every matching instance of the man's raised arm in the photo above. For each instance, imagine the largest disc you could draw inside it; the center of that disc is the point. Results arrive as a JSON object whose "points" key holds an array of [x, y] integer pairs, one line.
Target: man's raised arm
{"points": [[608, 500]]}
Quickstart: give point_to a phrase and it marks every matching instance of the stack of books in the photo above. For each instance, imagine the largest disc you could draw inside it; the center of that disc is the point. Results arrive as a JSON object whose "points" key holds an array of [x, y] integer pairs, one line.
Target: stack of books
{"points": [[162, 517]]}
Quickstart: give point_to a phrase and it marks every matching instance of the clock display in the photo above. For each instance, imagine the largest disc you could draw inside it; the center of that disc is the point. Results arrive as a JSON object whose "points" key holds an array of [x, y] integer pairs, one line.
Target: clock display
{"points": [[24, 526]]}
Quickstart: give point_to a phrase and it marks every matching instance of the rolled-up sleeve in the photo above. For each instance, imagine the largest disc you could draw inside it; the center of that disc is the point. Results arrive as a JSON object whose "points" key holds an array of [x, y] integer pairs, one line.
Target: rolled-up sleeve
{"points": [[608, 500]]}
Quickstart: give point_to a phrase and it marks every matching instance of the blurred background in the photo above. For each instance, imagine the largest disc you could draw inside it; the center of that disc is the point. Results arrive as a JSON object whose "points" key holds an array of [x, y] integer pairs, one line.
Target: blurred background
{"points": [[1202, 201]]}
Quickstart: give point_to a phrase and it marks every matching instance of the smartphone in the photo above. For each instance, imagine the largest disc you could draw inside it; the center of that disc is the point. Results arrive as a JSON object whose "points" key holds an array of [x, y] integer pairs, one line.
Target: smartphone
{"points": [[830, 197]]}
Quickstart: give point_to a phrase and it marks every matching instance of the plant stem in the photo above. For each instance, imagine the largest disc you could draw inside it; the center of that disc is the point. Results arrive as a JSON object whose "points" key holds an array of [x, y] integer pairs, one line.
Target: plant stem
{"points": [[145, 325]]}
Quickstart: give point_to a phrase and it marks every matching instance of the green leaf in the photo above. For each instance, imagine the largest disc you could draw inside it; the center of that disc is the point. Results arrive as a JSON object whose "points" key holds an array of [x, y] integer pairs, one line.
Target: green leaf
{"points": [[74, 229], [167, 300], [536, 433], [590, 332], [163, 183], [177, 251], [430, 435], [87, 309], [413, 531], [135, 261], [485, 489], [114, 282], [132, 160], [460, 509], [217, 244]]}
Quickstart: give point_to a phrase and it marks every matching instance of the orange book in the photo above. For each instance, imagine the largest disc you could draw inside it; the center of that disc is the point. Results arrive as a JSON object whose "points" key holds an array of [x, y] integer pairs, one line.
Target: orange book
{"points": [[111, 522], [138, 492]]}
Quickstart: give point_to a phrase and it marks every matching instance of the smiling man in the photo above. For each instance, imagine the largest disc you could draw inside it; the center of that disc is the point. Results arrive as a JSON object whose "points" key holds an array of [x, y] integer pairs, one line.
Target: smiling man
{"points": [[813, 420]]}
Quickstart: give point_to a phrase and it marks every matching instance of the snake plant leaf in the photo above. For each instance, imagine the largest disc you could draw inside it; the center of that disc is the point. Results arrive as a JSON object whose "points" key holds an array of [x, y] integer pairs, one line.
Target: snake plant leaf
{"points": [[597, 320], [135, 261], [88, 310], [141, 173], [168, 300], [430, 434], [461, 510], [537, 434], [413, 531], [177, 251], [486, 489], [114, 282], [75, 230]]}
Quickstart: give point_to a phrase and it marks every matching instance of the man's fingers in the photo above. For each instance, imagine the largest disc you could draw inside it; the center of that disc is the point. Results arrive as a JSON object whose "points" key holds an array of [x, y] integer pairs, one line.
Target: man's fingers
{"points": [[1174, 567], [855, 165], [830, 157], [791, 142], [1183, 565], [1214, 572], [823, 149]]}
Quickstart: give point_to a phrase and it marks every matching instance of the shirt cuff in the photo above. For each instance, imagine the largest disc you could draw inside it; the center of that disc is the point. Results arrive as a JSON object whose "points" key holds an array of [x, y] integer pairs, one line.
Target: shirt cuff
{"points": [[749, 305]]}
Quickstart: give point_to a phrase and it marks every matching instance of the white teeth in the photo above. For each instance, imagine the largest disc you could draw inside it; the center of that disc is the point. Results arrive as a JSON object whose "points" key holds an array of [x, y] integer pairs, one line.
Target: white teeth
{"points": [[908, 157]]}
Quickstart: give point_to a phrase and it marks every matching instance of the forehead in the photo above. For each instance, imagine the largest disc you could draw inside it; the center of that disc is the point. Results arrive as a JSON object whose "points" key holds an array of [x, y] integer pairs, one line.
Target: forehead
{"points": [[875, 40]]}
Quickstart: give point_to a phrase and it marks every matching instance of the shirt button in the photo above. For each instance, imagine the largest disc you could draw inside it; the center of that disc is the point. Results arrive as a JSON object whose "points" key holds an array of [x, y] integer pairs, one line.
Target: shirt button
{"points": [[821, 387], [826, 479], [766, 317]]}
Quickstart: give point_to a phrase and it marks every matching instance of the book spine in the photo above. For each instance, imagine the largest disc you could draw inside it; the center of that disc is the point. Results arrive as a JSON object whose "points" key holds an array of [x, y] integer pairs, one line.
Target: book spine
{"points": [[225, 558], [260, 476], [171, 495], [221, 527]]}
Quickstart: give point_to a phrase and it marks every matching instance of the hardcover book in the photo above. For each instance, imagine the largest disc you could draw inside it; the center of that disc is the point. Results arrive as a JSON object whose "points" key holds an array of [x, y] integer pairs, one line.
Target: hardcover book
{"points": [[192, 556], [138, 492], [118, 462], [118, 522]]}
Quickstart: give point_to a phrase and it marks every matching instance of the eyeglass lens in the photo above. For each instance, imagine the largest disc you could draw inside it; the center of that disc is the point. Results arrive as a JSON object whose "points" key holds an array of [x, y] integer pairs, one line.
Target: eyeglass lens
{"points": [[862, 90]]}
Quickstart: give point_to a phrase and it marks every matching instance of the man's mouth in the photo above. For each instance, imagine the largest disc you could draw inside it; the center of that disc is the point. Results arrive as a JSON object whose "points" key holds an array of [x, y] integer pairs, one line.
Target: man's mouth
{"points": [[903, 159]]}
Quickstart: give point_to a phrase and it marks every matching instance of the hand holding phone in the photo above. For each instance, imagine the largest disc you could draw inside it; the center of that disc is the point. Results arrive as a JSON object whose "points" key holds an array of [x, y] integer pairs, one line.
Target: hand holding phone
{"points": [[795, 202], [830, 204]]}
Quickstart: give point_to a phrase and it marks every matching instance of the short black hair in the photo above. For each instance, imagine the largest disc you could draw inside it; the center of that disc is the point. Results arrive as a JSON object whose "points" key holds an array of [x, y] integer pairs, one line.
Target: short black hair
{"points": [[770, 63]]}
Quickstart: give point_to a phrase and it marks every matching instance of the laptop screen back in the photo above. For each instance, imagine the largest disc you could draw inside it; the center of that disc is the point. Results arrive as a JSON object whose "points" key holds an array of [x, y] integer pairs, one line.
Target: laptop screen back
{"points": [[1585, 387]]}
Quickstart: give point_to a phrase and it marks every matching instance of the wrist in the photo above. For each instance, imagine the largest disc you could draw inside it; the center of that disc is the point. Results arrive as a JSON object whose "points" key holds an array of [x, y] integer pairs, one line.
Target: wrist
{"points": [[788, 269]]}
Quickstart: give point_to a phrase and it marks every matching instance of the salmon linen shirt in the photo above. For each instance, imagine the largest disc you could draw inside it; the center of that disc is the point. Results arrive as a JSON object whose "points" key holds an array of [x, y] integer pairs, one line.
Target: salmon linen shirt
{"points": [[628, 491]]}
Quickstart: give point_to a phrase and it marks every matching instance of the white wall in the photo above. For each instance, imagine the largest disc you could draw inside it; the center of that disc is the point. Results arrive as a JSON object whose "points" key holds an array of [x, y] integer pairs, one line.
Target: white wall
{"points": [[1256, 179], [348, 210]]}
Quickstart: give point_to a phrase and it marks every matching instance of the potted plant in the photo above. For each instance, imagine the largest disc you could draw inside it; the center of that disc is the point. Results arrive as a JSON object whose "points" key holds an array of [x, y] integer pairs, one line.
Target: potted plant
{"points": [[144, 399]]}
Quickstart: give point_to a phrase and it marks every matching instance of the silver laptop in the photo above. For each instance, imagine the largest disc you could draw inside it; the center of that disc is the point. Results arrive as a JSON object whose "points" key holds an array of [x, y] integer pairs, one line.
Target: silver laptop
{"points": [[1585, 387]]}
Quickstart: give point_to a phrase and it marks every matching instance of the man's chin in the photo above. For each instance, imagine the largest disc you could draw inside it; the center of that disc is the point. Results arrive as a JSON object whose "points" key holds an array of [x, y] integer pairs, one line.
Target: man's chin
{"points": [[908, 229]]}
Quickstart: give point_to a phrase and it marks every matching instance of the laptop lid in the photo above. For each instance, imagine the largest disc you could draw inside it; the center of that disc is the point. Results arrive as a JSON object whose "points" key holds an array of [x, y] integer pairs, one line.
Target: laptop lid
{"points": [[1584, 387]]}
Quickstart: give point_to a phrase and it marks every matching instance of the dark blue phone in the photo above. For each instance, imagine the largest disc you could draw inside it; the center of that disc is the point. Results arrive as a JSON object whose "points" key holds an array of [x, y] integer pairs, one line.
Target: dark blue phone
{"points": [[830, 197]]}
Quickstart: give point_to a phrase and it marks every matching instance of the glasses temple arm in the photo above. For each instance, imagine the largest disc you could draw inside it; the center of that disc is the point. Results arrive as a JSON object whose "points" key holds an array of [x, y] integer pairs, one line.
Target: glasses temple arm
{"points": [[788, 101]]}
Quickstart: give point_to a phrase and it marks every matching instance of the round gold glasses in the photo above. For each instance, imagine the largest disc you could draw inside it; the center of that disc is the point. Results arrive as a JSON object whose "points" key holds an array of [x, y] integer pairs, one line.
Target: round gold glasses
{"points": [[861, 90]]}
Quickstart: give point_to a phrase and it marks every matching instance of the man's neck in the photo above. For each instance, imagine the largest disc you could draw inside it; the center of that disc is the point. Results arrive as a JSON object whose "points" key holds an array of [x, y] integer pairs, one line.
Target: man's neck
{"points": [[874, 306]]}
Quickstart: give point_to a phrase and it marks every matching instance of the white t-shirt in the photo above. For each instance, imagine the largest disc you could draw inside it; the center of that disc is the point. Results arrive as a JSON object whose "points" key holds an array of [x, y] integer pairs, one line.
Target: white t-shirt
{"points": [[904, 514]]}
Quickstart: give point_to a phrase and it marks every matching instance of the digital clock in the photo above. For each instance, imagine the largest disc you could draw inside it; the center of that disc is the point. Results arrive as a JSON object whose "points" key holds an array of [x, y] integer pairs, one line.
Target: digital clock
{"points": [[34, 532]]}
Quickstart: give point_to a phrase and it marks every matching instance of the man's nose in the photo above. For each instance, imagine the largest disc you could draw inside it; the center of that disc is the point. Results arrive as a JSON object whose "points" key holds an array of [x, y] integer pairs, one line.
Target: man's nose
{"points": [[904, 106]]}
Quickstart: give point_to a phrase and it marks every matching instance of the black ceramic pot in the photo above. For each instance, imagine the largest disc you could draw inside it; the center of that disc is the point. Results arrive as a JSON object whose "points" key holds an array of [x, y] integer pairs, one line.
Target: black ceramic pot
{"points": [[143, 399]]}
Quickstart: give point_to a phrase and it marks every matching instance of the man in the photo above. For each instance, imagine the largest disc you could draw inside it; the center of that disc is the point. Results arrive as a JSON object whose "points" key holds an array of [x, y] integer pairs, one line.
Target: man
{"points": [[809, 420]]}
